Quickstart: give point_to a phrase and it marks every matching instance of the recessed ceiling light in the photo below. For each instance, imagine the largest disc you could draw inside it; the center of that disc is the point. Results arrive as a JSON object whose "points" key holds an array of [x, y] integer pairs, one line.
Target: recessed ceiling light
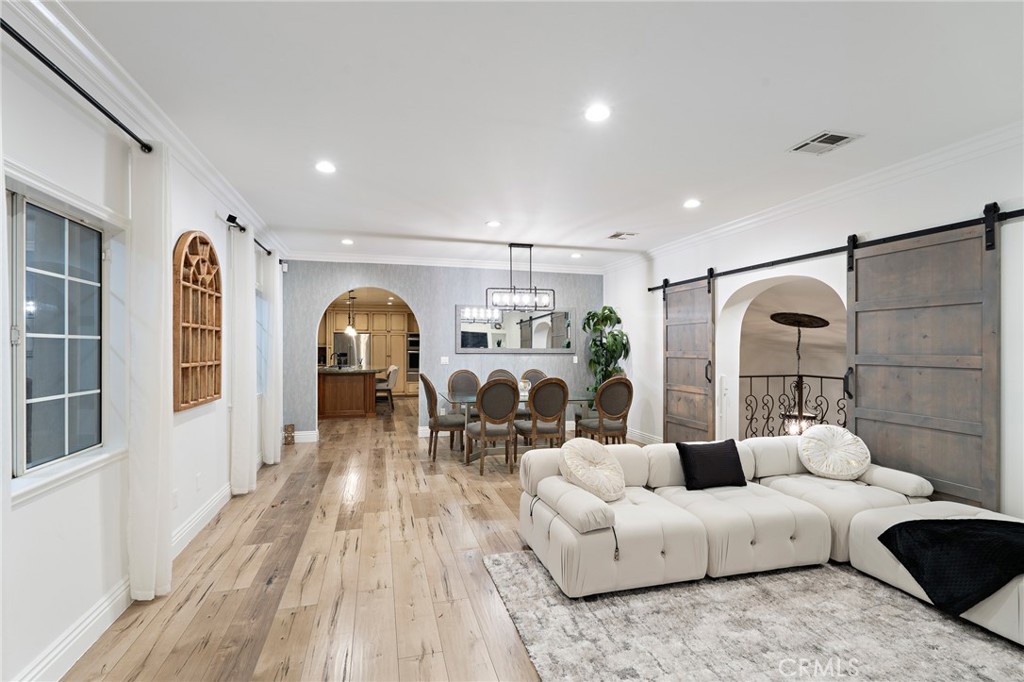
{"points": [[347, 242], [576, 255], [597, 112], [391, 302], [325, 167], [691, 203], [493, 223], [391, 298]]}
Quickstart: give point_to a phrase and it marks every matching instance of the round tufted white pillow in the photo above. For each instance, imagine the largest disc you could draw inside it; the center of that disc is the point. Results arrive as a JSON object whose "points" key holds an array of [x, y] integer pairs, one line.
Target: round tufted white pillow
{"points": [[833, 452], [589, 465]]}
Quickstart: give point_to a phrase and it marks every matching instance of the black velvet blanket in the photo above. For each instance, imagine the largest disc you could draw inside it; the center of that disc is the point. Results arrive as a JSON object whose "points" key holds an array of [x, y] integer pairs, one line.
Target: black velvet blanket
{"points": [[958, 562]]}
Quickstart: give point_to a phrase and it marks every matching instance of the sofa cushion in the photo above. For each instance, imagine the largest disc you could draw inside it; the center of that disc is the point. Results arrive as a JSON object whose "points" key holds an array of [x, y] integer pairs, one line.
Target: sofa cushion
{"points": [[840, 500], [754, 528], [581, 510], [833, 452], [775, 455], [711, 465], [666, 468], [902, 482], [589, 465]]}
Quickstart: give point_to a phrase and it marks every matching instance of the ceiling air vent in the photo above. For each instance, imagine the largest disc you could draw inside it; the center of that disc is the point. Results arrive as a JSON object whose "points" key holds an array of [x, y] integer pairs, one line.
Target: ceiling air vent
{"points": [[622, 235], [825, 141]]}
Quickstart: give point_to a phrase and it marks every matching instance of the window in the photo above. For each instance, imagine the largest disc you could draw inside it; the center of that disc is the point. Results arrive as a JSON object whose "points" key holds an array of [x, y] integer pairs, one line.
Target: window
{"points": [[57, 314]]}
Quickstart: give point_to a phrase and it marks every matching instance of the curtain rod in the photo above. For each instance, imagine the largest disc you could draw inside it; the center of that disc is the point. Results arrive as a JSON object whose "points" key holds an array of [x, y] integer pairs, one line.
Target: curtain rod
{"points": [[268, 251], [34, 51], [991, 217]]}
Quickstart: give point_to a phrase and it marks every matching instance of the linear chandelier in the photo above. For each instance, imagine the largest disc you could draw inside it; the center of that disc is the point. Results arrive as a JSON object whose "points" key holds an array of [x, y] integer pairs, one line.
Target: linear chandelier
{"points": [[529, 298]]}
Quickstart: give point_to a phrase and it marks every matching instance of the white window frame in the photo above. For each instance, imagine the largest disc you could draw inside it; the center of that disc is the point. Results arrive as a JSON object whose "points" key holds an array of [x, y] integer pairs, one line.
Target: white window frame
{"points": [[19, 224]]}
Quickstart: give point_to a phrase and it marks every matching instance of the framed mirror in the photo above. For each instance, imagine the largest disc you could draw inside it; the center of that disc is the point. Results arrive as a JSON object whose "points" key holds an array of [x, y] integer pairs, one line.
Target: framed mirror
{"points": [[488, 330]]}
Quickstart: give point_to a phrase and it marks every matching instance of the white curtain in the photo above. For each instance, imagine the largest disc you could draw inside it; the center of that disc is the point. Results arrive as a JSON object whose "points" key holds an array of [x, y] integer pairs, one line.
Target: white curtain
{"points": [[242, 338], [150, 374], [273, 413]]}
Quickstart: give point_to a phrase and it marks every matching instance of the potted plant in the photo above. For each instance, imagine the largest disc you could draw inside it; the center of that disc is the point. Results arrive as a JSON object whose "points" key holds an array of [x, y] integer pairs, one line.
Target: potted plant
{"points": [[608, 345]]}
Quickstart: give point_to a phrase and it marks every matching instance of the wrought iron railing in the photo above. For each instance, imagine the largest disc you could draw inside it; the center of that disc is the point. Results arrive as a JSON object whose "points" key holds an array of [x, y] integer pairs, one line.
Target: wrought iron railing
{"points": [[767, 397]]}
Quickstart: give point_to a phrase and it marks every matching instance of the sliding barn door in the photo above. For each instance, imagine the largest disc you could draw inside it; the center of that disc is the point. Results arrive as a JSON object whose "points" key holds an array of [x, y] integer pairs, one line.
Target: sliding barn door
{"points": [[924, 345], [689, 363]]}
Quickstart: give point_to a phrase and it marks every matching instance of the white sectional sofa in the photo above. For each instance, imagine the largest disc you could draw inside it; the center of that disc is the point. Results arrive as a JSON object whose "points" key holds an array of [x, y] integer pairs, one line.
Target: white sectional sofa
{"points": [[785, 516], [777, 466], [661, 532]]}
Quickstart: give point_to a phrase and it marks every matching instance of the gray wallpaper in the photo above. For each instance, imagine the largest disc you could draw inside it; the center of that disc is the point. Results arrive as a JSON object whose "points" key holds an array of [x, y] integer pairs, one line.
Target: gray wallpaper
{"points": [[432, 293]]}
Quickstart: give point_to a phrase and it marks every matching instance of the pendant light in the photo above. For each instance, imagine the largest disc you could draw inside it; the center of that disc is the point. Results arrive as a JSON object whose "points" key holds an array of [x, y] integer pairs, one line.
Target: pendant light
{"points": [[350, 330], [520, 298], [796, 422]]}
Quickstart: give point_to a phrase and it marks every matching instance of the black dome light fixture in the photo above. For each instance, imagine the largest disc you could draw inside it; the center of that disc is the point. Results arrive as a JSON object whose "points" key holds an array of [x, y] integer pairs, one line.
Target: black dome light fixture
{"points": [[796, 421]]}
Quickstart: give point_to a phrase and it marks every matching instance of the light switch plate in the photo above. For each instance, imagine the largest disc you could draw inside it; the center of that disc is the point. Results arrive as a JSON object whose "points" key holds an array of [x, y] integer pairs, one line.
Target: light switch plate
{"points": [[444, 359], [575, 359]]}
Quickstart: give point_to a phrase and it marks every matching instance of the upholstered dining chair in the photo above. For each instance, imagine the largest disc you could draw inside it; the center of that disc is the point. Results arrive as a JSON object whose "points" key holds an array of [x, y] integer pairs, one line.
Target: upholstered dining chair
{"points": [[465, 382], [387, 389], [503, 373], [612, 402], [453, 423], [548, 399], [497, 401], [534, 375]]}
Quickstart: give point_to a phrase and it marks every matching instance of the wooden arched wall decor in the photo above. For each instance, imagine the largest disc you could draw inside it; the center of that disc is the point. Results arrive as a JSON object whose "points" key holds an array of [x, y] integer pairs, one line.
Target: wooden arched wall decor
{"points": [[197, 322]]}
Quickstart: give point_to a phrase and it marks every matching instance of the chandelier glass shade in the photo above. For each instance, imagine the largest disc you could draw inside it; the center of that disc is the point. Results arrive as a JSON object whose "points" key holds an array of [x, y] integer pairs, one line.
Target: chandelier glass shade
{"points": [[512, 297]]}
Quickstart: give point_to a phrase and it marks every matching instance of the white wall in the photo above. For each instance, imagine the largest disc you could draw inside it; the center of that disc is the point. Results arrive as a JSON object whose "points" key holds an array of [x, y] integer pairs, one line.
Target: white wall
{"points": [[63, 152], [200, 435], [946, 186], [63, 545]]}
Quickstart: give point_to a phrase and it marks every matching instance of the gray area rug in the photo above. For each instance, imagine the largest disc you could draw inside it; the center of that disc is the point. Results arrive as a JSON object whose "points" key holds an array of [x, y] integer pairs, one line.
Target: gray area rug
{"points": [[820, 622]]}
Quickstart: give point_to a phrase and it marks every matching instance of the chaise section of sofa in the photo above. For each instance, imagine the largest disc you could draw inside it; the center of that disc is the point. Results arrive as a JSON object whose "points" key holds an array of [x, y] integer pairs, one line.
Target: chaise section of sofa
{"points": [[590, 546], [777, 465]]}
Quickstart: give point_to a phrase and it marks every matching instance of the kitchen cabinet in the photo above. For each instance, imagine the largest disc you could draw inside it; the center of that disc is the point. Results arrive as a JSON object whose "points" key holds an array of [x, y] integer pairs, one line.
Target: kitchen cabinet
{"points": [[413, 325], [361, 322], [388, 348]]}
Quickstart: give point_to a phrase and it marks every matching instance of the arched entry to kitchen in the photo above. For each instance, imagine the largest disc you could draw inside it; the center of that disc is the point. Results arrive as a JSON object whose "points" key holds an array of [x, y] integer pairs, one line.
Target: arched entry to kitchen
{"points": [[368, 338]]}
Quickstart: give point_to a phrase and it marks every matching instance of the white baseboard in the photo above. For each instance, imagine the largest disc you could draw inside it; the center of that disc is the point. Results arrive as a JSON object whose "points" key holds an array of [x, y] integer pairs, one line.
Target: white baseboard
{"points": [[307, 436], [642, 437], [195, 523], [423, 432], [57, 659]]}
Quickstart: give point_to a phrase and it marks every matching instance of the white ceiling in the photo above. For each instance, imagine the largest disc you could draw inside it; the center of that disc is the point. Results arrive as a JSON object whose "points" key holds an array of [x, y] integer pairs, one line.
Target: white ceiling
{"points": [[440, 117], [806, 296]]}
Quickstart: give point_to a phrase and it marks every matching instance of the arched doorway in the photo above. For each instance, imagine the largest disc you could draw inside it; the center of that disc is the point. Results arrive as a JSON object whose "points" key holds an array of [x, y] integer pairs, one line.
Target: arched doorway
{"points": [[364, 332], [775, 378]]}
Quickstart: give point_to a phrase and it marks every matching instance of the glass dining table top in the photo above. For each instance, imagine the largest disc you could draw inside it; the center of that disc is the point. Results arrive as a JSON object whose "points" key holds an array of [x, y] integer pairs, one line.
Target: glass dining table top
{"points": [[470, 398]]}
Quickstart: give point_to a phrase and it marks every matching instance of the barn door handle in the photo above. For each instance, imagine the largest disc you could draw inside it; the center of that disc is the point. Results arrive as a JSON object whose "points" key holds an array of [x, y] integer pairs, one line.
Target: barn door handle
{"points": [[846, 382], [707, 371]]}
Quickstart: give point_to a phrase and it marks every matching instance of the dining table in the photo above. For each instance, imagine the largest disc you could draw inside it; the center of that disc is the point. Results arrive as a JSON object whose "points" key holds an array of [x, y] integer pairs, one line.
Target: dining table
{"points": [[465, 401]]}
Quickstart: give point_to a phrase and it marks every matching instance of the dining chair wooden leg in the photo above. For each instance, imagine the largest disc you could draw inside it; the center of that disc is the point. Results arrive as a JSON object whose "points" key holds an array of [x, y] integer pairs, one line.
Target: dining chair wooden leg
{"points": [[467, 451], [483, 451], [451, 440], [508, 456]]}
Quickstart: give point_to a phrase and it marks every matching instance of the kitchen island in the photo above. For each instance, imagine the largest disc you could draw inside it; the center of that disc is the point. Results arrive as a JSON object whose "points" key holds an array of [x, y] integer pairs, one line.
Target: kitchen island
{"points": [[346, 392]]}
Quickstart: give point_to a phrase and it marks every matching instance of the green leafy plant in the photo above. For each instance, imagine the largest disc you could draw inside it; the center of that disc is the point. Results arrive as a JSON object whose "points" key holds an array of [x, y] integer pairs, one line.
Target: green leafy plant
{"points": [[608, 345]]}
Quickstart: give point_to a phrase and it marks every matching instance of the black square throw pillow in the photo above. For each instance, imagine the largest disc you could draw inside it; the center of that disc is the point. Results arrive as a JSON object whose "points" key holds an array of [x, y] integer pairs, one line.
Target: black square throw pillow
{"points": [[710, 465]]}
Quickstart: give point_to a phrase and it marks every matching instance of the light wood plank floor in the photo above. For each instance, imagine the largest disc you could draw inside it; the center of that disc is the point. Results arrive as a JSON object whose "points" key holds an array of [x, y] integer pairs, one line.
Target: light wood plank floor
{"points": [[355, 559]]}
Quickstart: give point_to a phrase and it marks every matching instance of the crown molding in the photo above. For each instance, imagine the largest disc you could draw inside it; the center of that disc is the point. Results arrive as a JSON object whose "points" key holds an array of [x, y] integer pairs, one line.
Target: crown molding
{"points": [[438, 262], [991, 142], [68, 41]]}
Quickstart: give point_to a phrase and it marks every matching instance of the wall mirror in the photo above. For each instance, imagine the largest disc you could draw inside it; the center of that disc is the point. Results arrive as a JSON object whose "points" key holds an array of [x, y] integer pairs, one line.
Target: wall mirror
{"points": [[489, 330]]}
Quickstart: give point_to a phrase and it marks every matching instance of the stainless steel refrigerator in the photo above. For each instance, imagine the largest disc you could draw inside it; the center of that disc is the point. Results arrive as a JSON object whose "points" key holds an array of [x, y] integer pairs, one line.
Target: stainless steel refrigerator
{"points": [[351, 351]]}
